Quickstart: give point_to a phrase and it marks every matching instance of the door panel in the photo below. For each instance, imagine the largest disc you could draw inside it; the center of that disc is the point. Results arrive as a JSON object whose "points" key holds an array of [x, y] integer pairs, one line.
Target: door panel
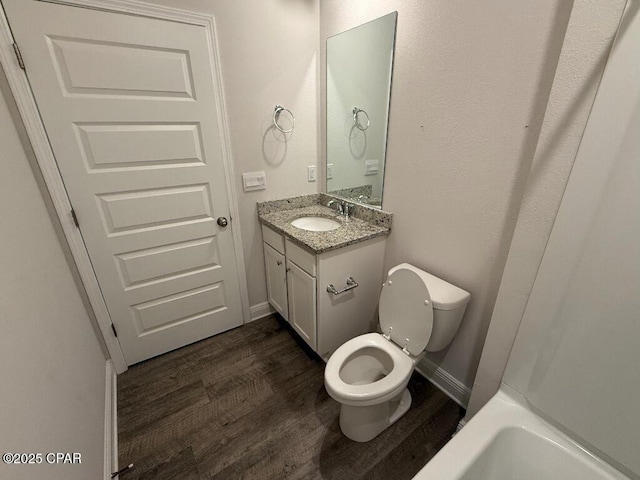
{"points": [[139, 209], [101, 67], [129, 107], [176, 308], [142, 146], [158, 263]]}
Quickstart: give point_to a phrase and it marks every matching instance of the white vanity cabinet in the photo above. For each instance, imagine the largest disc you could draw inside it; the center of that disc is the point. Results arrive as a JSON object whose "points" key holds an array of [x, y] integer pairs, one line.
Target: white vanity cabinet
{"points": [[297, 281]]}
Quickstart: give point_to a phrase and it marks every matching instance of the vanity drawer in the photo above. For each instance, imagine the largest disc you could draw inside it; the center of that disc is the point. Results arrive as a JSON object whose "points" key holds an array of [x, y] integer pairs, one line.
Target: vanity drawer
{"points": [[301, 257], [276, 240]]}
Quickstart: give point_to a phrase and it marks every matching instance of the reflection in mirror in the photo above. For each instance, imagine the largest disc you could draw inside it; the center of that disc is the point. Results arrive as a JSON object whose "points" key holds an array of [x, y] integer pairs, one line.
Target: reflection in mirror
{"points": [[359, 66]]}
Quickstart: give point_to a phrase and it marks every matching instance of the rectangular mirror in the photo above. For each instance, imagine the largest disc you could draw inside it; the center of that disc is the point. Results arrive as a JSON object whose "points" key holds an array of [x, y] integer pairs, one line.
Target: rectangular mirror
{"points": [[359, 70]]}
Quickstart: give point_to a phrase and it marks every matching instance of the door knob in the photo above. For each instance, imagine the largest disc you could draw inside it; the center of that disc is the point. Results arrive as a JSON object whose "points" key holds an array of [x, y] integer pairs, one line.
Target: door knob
{"points": [[222, 221]]}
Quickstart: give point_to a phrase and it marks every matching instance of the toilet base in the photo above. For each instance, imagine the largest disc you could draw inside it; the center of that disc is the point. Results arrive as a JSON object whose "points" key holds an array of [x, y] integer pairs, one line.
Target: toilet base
{"points": [[362, 424]]}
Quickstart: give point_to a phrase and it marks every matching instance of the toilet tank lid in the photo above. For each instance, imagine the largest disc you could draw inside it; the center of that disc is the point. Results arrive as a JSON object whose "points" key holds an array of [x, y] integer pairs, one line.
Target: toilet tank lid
{"points": [[444, 295]]}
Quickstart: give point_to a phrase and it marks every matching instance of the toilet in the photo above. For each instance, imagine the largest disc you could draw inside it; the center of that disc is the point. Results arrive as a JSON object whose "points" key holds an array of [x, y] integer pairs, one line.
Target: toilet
{"points": [[368, 375]]}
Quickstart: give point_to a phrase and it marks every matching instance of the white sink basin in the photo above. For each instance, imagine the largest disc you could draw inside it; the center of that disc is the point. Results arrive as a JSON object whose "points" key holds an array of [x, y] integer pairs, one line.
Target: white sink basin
{"points": [[316, 224]]}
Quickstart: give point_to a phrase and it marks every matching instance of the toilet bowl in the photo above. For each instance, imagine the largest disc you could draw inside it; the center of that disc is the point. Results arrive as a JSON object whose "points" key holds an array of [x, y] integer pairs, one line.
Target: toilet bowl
{"points": [[369, 374]]}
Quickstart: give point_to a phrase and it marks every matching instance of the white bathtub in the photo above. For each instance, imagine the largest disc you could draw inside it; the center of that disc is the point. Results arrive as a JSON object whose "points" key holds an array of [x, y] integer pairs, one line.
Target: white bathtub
{"points": [[506, 441]]}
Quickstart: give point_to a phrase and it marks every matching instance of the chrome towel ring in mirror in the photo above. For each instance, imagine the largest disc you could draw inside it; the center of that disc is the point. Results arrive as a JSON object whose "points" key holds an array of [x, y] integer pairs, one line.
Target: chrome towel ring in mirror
{"points": [[356, 119], [276, 116]]}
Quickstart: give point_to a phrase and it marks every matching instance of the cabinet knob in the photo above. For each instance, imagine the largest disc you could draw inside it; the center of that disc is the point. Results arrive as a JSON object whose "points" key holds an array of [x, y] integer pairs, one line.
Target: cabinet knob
{"points": [[278, 262]]}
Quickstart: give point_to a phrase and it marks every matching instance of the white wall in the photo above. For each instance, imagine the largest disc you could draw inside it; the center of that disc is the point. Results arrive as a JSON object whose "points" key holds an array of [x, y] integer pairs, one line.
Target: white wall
{"points": [[470, 84], [585, 51], [577, 351], [52, 394], [269, 54]]}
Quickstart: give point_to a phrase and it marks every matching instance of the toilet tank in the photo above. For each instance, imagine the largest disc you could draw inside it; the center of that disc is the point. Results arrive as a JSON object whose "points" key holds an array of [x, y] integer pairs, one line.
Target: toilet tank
{"points": [[449, 304]]}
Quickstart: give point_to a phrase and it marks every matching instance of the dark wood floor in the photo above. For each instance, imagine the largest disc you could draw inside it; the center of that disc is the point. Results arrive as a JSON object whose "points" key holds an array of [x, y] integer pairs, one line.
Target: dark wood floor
{"points": [[250, 403]]}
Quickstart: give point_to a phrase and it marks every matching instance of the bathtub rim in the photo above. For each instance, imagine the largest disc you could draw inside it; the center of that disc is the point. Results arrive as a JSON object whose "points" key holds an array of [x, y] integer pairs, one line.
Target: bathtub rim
{"points": [[506, 410]]}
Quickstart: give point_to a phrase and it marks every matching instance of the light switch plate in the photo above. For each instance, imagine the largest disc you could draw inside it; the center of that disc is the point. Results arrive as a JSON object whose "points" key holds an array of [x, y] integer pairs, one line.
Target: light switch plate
{"points": [[329, 171], [254, 181], [371, 167], [311, 173]]}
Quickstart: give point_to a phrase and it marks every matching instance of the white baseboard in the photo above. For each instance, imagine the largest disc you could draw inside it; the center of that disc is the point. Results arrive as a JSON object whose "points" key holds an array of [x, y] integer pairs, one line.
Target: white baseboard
{"points": [[261, 310], [110, 421], [442, 379]]}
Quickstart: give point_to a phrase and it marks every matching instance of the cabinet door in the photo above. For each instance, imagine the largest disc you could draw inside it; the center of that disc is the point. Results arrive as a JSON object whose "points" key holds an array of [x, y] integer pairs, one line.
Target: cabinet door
{"points": [[276, 280], [302, 302]]}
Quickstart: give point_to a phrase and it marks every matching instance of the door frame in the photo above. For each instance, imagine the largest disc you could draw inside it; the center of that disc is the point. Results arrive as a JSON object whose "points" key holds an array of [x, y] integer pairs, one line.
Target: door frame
{"points": [[36, 133]]}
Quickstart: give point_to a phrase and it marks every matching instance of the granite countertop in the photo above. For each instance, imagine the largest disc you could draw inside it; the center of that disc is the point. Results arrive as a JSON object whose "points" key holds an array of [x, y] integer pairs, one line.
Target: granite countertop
{"points": [[353, 230]]}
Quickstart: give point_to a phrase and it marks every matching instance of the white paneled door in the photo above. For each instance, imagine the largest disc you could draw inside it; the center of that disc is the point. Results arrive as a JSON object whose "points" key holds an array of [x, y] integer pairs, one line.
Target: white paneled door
{"points": [[129, 106]]}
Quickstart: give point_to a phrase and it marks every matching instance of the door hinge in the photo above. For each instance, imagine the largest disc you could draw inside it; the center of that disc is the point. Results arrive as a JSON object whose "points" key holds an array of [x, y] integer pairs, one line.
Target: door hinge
{"points": [[115, 332], [75, 218], [19, 56]]}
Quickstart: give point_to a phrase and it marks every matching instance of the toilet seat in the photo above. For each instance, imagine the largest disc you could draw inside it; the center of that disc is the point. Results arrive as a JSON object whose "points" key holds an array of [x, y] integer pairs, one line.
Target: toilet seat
{"points": [[406, 310], [371, 393]]}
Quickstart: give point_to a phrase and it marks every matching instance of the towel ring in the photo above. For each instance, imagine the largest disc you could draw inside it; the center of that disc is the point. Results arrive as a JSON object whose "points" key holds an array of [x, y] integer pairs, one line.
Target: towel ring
{"points": [[276, 115], [356, 120]]}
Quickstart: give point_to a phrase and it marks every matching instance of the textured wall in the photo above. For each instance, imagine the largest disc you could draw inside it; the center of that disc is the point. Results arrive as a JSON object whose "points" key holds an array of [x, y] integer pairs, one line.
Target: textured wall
{"points": [[470, 85], [53, 368], [587, 44]]}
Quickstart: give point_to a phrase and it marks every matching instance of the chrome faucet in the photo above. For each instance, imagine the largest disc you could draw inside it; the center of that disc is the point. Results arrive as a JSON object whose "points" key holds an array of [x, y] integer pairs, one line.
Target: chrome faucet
{"points": [[347, 209], [339, 208], [343, 208]]}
